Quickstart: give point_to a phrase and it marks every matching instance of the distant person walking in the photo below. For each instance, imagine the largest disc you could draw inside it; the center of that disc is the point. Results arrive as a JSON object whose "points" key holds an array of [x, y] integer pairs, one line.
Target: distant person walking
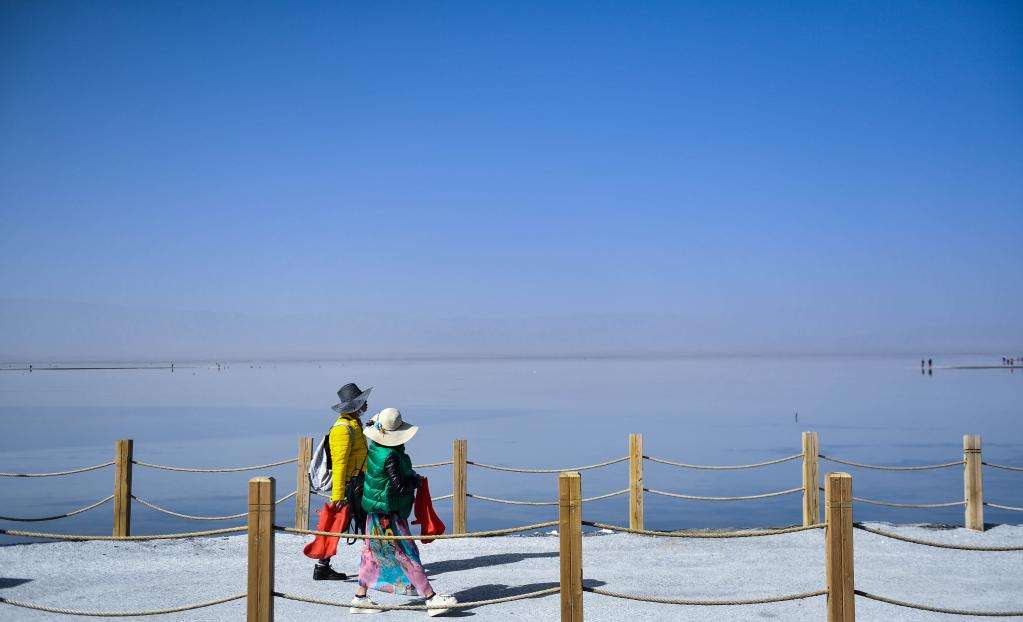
{"points": [[347, 458], [391, 566]]}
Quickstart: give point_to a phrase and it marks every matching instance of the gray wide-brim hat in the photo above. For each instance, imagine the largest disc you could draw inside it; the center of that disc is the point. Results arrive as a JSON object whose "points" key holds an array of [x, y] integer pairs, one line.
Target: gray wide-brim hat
{"points": [[352, 398]]}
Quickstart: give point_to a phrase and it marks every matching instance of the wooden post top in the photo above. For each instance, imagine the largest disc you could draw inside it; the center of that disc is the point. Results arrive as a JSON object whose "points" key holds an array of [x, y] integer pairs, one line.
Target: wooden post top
{"points": [[971, 442], [569, 490], [261, 492], [839, 488]]}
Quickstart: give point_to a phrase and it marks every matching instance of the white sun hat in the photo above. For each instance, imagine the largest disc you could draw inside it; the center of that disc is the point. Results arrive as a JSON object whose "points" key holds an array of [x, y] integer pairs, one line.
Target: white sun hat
{"points": [[387, 428]]}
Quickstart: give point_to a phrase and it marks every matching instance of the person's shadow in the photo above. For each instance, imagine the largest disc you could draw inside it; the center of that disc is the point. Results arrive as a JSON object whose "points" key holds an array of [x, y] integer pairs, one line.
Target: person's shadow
{"points": [[6, 582], [490, 591], [482, 561]]}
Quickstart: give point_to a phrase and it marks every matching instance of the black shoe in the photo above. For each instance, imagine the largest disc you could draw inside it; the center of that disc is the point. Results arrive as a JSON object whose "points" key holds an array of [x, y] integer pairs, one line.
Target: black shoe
{"points": [[326, 573]]}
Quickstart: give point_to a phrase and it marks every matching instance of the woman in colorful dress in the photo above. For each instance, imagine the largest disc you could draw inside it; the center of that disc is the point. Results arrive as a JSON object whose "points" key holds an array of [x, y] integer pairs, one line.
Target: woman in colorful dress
{"points": [[391, 566]]}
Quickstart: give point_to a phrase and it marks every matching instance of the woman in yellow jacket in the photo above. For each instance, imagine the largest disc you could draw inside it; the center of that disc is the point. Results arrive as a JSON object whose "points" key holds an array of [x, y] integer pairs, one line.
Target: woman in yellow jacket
{"points": [[347, 457]]}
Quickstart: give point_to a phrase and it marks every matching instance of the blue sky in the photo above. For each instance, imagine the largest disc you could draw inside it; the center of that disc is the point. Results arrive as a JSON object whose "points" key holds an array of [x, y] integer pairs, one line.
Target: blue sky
{"points": [[705, 176]]}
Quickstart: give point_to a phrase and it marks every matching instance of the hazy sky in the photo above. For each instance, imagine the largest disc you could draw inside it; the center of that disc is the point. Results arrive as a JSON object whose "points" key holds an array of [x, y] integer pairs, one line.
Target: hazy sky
{"points": [[226, 179]]}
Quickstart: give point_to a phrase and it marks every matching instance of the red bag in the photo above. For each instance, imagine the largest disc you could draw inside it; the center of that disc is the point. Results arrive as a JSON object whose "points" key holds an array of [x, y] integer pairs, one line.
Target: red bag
{"points": [[324, 547], [426, 517]]}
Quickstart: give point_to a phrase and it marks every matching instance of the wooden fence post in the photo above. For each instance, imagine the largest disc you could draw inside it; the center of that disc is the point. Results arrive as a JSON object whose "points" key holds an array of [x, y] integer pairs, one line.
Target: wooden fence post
{"points": [[305, 455], [838, 548], [811, 481], [260, 603], [973, 482], [570, 536], [122, 487], [636, 481], [459, 449]]}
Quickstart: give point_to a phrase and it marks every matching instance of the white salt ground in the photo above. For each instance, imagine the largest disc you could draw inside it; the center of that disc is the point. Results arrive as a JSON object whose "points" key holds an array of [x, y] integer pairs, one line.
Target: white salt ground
{"points": [[151, 575]]}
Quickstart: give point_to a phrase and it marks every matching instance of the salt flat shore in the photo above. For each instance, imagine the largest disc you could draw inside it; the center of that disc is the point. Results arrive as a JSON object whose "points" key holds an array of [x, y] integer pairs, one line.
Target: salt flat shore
{"points": [[153, 575]]}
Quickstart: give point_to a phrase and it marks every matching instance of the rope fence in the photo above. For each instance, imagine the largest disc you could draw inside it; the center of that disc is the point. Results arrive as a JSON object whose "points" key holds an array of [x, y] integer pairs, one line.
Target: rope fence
{"points": [[262, 504], [765, 495], [84, 538], [153, 506], [809, 455], [947, 504], [447, 536], [1004, 507], [940, 545], [514, 502], [430, 465], [60, 473], [424, 607], [58, 516], [746, 533], [948, 610], [495, 467], [119, 614], [731, 467], [880, 467], [706, 603], [164, 467]]}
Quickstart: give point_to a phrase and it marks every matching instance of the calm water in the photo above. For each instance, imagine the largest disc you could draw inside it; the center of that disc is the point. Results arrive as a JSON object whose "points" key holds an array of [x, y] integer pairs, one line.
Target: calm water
{"points": [[524, 413]]}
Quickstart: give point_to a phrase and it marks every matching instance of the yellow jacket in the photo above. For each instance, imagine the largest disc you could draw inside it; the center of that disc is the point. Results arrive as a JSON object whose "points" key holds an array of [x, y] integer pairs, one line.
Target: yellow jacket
{"points": [[347, 453]]}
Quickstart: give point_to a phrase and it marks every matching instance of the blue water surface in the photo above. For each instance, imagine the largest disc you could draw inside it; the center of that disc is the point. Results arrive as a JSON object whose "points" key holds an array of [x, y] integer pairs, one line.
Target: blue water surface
{"points": [[534, 413]]}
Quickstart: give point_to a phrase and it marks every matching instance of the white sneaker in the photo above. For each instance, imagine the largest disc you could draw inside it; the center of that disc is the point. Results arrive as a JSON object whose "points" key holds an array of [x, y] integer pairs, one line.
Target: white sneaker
{"points": [[363, 604], [440, 599]]}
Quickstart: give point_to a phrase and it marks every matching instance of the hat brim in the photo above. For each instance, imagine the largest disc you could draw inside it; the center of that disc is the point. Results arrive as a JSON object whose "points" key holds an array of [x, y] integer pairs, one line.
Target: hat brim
{"points": [[353, 404], [391, 438]]}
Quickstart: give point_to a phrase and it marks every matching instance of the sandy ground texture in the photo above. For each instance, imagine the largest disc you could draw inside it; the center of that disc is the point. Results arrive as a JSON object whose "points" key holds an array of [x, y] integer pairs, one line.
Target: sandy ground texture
{"points": [[152, 575]]}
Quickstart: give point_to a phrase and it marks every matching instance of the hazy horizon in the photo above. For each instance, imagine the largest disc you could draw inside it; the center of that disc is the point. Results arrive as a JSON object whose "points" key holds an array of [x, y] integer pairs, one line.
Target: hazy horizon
{"points": [[43, 332]]}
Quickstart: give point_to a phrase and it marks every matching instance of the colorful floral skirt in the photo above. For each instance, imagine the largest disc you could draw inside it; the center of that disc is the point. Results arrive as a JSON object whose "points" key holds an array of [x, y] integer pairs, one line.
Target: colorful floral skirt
{"points": [[391, 566]]}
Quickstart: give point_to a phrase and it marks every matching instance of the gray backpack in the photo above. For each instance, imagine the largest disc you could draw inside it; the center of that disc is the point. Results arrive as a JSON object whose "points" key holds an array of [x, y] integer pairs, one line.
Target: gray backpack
{"points": [[321, 467]]}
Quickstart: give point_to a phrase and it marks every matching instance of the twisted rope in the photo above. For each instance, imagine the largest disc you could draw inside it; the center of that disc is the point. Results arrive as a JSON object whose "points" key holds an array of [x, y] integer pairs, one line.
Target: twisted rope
{"points": [[1002, 466], [475, 603], [958, 612], [908, 505], [940, 545], [431, 464], [924, 467], [684, 601], [514, 502], [164, 467], [678, 495], [1004, 507], [83, 538], [446, 536], [752, 533], [496, 467], [904, 505], [46, 518], [153, 506], [118, 614], [59, 473], [443, 497], [731, 467]]}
